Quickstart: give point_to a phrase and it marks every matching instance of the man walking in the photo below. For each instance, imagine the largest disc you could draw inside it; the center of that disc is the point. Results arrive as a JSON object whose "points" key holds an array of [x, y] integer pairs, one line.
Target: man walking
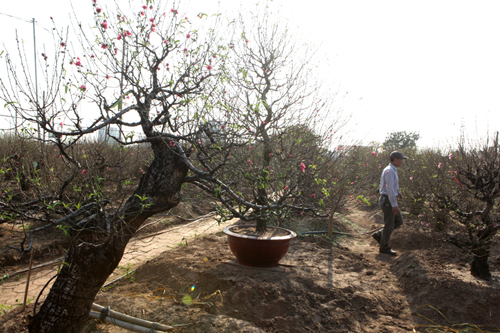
{"points": [[388, 202]]}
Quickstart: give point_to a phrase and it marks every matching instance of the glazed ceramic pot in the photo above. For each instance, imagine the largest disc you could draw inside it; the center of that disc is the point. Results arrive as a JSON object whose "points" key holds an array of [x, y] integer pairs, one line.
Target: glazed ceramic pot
{"points": [[258, 251]]}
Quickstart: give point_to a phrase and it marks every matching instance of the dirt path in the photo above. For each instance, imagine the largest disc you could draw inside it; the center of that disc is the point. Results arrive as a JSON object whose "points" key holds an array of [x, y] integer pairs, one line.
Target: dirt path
{"points": [[320, 287], [137, 252]]}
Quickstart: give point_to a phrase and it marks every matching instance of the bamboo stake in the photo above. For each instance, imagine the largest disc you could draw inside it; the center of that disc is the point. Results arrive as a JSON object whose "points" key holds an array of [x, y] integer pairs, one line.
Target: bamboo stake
{"points": [[330, 227], [28, 280], [129, 319]]}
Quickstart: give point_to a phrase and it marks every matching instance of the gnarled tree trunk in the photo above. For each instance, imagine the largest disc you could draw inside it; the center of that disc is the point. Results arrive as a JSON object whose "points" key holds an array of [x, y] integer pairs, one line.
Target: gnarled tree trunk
{"points": [[479, 267], [87, 266]]}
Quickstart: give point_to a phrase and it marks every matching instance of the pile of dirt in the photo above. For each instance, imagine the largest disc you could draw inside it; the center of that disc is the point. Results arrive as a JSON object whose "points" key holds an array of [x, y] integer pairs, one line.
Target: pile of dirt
{"points": [[321, 289], [320, 286]]}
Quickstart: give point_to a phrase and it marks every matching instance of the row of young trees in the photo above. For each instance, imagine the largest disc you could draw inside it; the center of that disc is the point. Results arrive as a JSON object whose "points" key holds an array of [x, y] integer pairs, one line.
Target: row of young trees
{"points": [[453, 192], [458, 193], [235, 109]]}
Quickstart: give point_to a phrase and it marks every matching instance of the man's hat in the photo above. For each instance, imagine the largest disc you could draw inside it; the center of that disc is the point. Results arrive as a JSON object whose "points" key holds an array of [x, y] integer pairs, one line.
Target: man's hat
{"points": [[397, 154]]}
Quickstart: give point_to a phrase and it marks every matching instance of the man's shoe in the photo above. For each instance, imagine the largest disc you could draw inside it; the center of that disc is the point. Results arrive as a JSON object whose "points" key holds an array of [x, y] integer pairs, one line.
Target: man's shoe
{"points": [[388, 250], [377, 237]]}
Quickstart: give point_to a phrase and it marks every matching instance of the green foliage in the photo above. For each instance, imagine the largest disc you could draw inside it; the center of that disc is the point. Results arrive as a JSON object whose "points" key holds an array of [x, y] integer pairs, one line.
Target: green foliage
{"points": [[144, 202], [128, 271], [401, 140]]}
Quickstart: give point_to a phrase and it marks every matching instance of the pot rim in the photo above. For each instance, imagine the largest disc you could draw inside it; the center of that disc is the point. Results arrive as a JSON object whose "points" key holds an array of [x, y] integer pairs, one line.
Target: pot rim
{"points": [[228, 232]]}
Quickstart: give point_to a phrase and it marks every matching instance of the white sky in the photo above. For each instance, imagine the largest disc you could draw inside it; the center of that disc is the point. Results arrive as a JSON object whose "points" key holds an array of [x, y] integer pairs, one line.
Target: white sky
{"points": [[425, 66]]}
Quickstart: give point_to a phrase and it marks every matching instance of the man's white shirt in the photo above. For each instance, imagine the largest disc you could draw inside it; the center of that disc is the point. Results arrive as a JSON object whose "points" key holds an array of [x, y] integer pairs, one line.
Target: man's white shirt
{"points": [[389, 184]]}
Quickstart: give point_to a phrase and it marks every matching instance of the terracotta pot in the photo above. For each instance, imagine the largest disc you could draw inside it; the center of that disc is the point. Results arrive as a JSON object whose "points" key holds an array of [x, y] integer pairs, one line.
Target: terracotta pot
{"points": [[258, 251]]}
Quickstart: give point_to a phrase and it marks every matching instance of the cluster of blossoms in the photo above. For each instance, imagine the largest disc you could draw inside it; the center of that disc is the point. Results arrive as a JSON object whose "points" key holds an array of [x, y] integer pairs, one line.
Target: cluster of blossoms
{"points": [[124, 34]]}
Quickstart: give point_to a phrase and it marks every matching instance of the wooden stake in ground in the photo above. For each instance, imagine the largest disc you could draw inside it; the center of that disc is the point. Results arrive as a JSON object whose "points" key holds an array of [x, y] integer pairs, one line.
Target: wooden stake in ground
{"points": [[28, 280], [330, 227]]}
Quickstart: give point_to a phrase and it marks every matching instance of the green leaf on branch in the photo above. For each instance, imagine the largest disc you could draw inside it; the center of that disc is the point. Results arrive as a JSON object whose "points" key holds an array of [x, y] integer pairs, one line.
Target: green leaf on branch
{"points": [[8, 103], [64, 229], [362, 198]]}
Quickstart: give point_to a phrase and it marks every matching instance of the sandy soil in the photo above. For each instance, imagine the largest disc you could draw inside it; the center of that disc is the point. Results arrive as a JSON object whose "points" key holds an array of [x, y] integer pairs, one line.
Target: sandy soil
{"points": [[345, 286]]}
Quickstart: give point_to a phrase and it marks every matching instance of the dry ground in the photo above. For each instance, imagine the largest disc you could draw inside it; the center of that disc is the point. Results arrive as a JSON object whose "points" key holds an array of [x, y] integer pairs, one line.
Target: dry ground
{"points": [[346, 286]]}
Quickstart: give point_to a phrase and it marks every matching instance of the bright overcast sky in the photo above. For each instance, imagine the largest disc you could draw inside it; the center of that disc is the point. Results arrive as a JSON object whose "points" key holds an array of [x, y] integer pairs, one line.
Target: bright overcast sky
{"points": [[425, 66]]}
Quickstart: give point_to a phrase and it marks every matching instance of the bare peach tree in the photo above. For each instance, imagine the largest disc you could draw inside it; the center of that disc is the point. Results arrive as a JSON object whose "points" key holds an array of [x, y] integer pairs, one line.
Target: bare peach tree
{"points": [[273, 94], [458, 192]]}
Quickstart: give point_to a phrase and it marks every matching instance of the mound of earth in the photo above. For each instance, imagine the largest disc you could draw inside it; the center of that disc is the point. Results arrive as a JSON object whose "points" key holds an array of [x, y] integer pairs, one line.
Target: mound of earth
{"points": [[320, 286], [321, 289]]}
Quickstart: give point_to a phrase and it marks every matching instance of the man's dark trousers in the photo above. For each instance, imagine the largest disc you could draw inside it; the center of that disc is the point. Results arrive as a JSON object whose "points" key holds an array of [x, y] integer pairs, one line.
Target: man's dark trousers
{"points": [[391, 221]]}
